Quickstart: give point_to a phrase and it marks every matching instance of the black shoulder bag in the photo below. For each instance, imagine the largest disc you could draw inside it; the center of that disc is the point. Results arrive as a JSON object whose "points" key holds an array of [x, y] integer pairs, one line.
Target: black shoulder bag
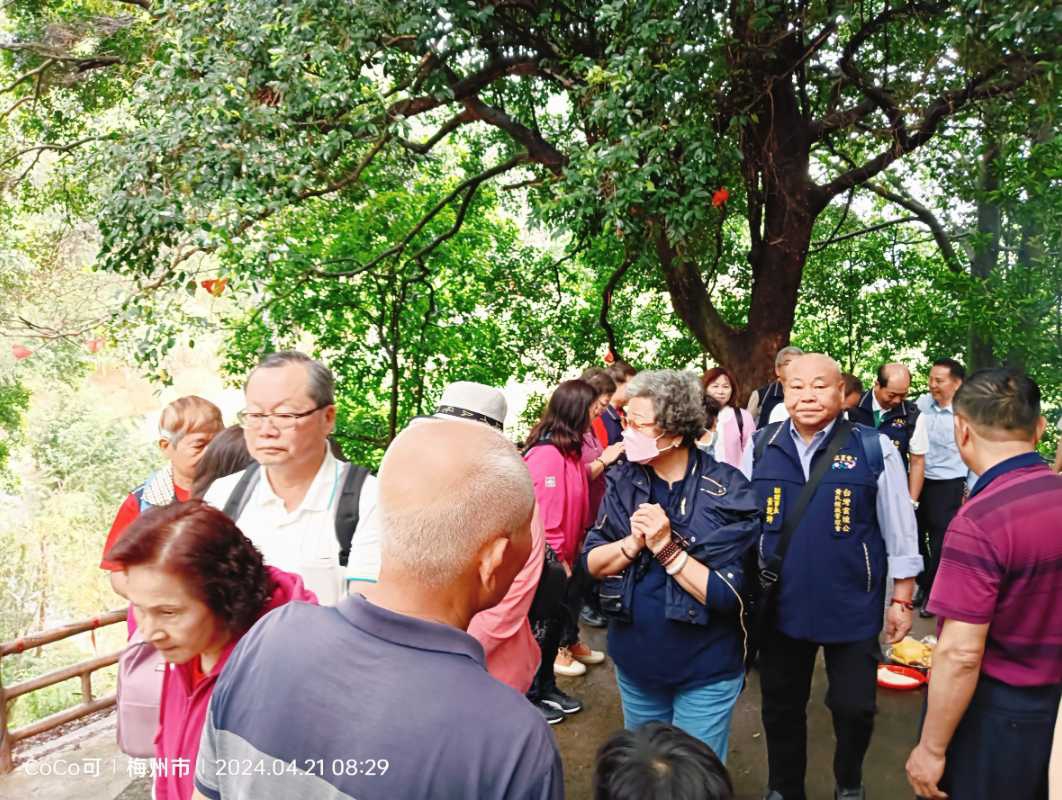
{"points": [[763, 614]]}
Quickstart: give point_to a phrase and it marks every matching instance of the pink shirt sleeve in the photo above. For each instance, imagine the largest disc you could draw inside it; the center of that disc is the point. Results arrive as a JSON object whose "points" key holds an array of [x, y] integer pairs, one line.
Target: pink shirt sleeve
{"points": [[509, 616], [546, 464]]}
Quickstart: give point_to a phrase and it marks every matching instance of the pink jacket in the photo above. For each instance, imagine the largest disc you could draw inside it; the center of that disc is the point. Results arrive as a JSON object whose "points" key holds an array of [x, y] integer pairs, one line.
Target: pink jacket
{"points": [[592, 449], [563, 492], [732, 442], [183, 708], [504, 631]]}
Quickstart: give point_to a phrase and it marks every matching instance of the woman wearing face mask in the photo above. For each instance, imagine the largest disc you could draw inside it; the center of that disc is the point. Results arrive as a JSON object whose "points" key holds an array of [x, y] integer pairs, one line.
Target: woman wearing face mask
{"points": [[734, 426], [196, 585], [674, 529]]}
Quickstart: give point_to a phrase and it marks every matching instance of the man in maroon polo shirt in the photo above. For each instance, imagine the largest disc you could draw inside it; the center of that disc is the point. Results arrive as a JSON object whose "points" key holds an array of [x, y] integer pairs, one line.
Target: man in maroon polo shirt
{"points": [[997, 670]]}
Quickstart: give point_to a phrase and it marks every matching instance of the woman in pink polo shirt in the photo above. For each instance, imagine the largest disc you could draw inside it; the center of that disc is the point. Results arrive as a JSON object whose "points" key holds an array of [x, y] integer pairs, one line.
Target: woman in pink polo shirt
{"points": [[197, 585], [554, 458]]}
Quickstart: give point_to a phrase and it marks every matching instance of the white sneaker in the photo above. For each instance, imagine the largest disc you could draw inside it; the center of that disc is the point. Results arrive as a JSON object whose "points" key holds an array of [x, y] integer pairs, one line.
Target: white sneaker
{"points": [[566, 665]]}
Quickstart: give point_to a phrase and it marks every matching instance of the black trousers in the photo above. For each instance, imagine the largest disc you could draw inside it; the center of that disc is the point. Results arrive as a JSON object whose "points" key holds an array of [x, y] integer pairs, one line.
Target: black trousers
{"points": [[939, 503], [559, 628], [1003, 743], [786, 667]]}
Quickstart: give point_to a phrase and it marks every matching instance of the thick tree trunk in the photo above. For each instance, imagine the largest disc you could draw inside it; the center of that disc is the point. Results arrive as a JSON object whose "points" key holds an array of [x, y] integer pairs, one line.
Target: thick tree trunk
{"points": [[989, 226], [783, 205]]}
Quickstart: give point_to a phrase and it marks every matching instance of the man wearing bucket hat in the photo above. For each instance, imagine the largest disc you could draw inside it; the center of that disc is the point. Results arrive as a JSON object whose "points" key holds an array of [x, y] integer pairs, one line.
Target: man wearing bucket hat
{"points": [[512, 654]]}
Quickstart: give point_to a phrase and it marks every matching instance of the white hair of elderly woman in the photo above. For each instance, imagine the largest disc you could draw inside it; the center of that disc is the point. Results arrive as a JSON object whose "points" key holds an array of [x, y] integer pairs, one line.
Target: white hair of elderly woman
{"points": [[678, 400]]}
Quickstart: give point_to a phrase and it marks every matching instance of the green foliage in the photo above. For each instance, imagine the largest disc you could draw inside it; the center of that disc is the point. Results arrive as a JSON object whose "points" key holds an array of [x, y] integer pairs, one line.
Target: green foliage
{"points": [[14, 400]]}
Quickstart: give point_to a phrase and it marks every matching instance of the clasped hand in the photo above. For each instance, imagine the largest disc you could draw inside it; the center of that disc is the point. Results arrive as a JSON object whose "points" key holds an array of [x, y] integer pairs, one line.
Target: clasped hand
{"points": [[650, 527]]}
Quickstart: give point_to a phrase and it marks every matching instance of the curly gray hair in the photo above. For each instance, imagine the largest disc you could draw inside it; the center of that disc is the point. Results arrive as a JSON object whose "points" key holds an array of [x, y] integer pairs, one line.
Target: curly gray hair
{"points": [[678, 401]]}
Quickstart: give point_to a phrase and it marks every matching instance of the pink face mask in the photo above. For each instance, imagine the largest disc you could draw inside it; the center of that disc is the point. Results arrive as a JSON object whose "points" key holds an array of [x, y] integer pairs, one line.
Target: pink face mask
{"points": [[639, 447]]}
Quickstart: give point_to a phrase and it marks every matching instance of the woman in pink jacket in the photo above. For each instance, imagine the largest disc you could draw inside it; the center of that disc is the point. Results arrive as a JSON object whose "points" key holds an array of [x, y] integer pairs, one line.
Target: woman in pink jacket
{"points": [[734, 425], [554, 458], [197, 585]]}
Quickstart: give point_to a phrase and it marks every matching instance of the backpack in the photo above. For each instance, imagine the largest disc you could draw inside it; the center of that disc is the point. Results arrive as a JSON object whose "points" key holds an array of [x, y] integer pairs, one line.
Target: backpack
{"points": [[347, 509], [140, 671]]}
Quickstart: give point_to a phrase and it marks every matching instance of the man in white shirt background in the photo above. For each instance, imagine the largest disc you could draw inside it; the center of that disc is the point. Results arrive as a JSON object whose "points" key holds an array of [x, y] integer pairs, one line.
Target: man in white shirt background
{"points": [[288, 508]]}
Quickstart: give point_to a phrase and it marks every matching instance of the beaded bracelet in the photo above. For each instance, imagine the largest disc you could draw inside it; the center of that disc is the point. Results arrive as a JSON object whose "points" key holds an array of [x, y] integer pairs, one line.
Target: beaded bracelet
{"points": [[677, 564], [668, 552]]}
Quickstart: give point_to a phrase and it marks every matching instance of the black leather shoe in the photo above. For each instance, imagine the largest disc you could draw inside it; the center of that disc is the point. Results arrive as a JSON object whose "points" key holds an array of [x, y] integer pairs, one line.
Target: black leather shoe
{"points": [[924, 612], [849, 794], [593, 619]]}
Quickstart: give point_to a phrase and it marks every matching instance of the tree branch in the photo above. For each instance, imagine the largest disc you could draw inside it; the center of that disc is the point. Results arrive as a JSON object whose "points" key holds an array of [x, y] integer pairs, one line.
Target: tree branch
{"points": [[538, 149], [606, 300], [981, 87], [467, 187], [823, 245], [927, 217]]}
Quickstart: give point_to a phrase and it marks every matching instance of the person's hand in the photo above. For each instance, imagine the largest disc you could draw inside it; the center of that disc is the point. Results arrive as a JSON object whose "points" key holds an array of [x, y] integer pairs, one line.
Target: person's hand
{"points": [[897, 623], [924, 771], [611, 453], [653, 522]]}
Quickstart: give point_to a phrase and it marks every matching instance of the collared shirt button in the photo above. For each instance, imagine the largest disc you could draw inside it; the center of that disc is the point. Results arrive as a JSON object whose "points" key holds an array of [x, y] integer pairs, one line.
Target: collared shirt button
{"points": [[693, 538], [730, 574], [691, 613]]}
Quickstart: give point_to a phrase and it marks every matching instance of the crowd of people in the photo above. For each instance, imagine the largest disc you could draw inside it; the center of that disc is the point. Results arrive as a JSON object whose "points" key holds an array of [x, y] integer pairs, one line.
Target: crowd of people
{"points": [[320, 631]]}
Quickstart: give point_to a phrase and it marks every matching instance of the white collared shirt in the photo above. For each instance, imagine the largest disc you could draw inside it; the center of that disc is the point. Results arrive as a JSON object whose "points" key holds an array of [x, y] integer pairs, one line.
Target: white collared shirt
{"points": [[302, 541]]}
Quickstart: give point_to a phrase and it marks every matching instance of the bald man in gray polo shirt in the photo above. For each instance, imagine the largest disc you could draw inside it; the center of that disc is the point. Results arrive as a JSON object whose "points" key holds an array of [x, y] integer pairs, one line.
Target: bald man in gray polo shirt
{"points": [[385, 695]]}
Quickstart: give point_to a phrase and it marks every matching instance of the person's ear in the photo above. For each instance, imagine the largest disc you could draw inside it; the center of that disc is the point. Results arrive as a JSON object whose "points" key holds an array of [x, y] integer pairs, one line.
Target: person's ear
{"points": [[963, 431], [330, 418], [491, 558], [164, 446]]}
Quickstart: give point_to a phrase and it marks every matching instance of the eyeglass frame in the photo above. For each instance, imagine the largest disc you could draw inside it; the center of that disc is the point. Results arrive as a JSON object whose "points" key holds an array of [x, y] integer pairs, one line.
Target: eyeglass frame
{"points": [[294, 417]]}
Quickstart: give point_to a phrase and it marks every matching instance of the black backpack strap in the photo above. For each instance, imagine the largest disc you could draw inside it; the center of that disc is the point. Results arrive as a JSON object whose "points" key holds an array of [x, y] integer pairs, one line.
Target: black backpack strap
{"points": [[348, 509], [762, 438], [772, 571], [241, 492]]}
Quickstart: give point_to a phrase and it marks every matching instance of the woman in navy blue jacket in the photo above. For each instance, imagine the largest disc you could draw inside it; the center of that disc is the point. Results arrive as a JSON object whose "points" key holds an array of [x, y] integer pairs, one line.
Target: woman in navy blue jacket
{"points": [[669, 542]]}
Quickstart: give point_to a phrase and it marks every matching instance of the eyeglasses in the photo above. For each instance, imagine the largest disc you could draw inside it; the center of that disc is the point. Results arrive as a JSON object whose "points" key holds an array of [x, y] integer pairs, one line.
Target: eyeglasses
{"points": [[284, 420], [640, 424]]}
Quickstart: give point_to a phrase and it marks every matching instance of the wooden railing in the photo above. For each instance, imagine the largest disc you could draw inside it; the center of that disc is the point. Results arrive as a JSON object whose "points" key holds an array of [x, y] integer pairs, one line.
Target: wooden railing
{"points": [[84, 669]]}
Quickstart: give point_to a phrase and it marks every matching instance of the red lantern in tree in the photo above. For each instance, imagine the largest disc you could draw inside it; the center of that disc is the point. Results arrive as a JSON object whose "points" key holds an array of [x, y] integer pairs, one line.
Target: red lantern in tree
{"points": [[720, 197], [215, 285]]}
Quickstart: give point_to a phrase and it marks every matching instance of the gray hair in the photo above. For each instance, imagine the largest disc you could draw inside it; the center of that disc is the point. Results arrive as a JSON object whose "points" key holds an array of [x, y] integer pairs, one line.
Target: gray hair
{"points": [[435, 541], [321, 386], [678, 400], [791, 350]]}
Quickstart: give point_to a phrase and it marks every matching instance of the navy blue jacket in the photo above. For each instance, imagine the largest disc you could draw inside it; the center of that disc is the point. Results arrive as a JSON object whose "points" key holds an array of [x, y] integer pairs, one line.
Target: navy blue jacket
{"points": [[716, 512], [896, 423], [832, 586]]}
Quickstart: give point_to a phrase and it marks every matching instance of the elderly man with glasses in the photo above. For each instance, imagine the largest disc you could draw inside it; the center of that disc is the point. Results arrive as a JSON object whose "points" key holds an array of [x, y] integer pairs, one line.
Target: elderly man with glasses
{"points": [[300, 505]]}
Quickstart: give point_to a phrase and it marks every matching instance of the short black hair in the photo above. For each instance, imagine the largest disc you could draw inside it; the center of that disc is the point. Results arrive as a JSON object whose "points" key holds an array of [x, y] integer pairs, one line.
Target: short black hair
{"points": [[711, 412], [957, 370], [1004, 399], [621, 371], [851, 383], [659, 762], [599, 378]]}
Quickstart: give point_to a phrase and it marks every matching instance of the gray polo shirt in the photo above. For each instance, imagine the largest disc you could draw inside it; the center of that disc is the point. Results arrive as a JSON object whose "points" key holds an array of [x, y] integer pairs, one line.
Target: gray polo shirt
{"points": [[359, 702]]}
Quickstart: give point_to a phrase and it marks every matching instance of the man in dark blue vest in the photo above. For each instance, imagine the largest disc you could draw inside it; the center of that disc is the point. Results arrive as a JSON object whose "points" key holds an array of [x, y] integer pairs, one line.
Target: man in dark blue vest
{"points": [[887, 408], [858, 526], [765, 399]]}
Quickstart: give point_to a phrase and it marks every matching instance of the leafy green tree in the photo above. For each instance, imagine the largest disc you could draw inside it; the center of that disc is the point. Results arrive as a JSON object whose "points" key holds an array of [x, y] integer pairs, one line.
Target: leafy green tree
{"points": [[627, 119]]}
